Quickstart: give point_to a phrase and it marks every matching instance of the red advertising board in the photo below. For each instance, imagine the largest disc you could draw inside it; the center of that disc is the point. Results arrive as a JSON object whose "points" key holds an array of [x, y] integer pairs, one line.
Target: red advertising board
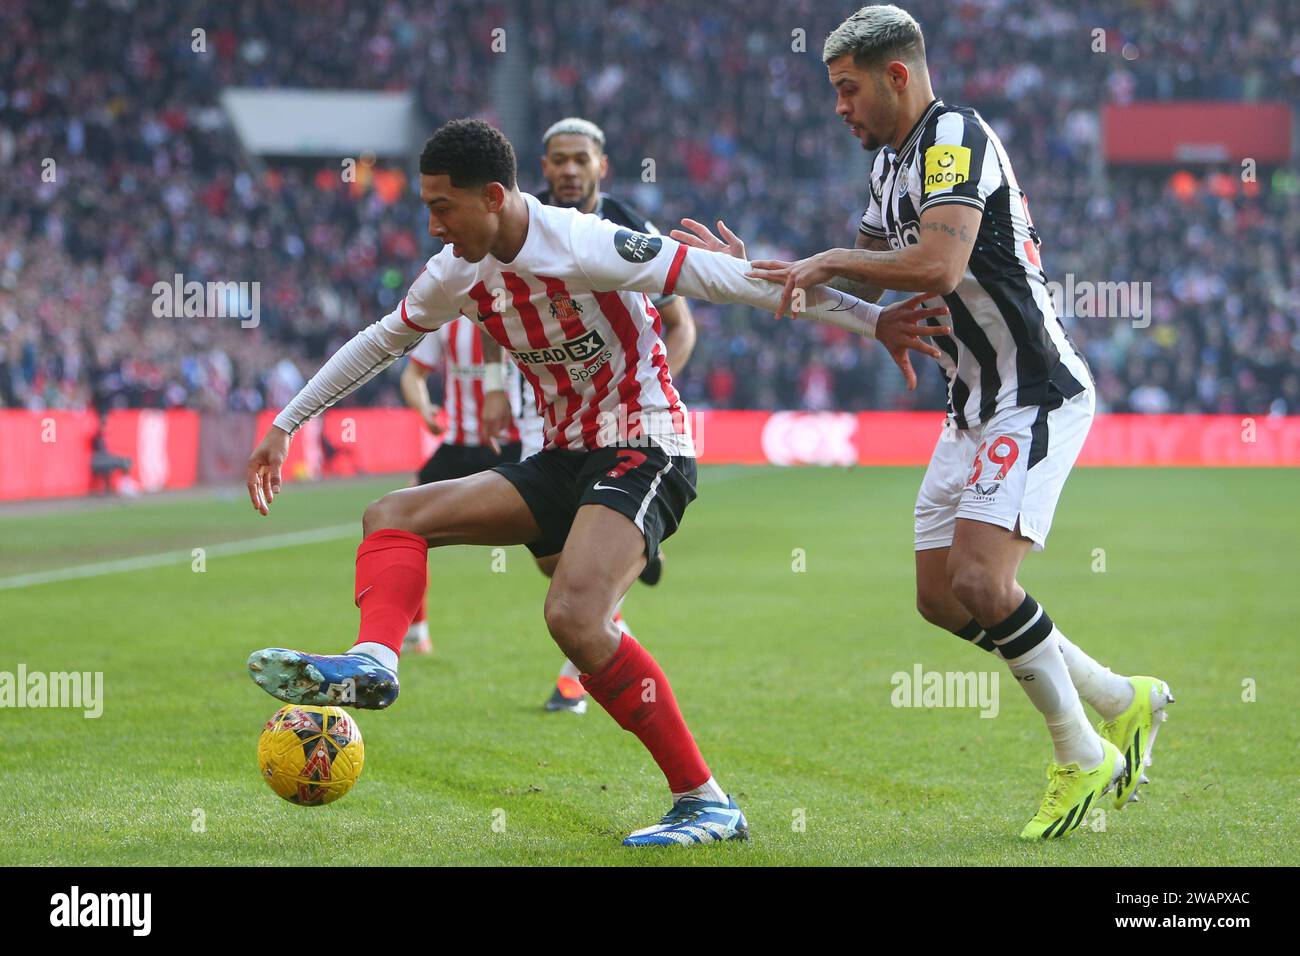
{"points": [[48, 454], [1197, 132]]}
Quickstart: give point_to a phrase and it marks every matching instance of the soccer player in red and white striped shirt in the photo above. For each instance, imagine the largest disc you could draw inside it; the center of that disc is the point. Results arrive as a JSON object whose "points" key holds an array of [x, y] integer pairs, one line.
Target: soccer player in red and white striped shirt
{"points": [[455, 351], [565, 294]]}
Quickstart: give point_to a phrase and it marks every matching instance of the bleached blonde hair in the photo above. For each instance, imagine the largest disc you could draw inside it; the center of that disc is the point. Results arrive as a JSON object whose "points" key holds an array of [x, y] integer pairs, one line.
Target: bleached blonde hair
{"points": [[874, 33]]}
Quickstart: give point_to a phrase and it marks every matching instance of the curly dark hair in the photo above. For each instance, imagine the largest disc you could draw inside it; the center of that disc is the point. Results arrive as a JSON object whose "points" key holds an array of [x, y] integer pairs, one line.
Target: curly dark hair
{"points": [[471, 153]]}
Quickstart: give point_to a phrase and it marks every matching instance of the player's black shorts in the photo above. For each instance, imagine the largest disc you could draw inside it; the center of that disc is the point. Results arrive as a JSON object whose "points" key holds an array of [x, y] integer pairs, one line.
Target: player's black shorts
{"points": [[646, 484], [460, 461]]}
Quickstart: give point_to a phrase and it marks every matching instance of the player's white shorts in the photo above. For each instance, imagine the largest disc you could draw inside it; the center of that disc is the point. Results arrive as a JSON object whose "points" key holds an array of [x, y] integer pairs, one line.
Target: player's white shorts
{"points": [[1010, 469]]}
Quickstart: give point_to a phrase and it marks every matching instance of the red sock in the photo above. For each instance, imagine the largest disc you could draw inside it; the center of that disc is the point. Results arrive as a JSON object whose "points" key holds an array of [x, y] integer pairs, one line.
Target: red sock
{"points": [[634, 690], [392, 573], [421, 613]]}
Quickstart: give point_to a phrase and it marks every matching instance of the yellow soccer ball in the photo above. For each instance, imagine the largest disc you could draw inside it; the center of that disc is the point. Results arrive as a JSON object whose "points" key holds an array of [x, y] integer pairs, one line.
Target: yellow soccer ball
{"points": [[311, 755]]}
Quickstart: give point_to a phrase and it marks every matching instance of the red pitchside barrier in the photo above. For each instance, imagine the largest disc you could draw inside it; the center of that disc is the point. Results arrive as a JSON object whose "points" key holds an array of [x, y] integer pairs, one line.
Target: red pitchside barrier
{"points": [[48, 454]]}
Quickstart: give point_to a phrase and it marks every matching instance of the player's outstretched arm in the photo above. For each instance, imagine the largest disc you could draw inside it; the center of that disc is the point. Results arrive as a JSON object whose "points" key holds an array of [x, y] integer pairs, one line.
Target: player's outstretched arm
{"points": [[363, 357], [934, 264], [615, 258], [424, 309], [900, 328], [863, 290]]}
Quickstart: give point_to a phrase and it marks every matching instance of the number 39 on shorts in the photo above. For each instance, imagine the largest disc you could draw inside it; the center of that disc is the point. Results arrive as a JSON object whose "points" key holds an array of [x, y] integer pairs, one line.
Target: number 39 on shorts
{"points": [[1002, 451]]}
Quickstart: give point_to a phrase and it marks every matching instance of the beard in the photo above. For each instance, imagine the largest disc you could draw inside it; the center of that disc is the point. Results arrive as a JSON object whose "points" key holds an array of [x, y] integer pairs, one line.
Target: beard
{"points": [[575, 203]]}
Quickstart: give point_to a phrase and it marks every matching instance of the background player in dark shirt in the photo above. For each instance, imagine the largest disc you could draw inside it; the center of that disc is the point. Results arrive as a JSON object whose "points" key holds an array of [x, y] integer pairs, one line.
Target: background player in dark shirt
{"points": [[574, 164]]}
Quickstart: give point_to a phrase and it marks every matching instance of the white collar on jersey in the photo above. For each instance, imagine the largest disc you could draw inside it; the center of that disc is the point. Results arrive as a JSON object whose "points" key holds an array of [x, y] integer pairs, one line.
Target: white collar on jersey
{"points": [[935, 105]]}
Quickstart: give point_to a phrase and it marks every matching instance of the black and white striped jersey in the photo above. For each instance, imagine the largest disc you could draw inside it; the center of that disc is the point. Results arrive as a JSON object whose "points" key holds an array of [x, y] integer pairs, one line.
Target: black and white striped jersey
{"points": [[1008, 347]]}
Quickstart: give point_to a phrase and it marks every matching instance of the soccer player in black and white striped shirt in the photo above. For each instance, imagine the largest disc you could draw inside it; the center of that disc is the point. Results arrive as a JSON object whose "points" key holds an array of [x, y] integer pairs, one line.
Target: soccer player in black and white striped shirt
{"points": [[946, 214]]}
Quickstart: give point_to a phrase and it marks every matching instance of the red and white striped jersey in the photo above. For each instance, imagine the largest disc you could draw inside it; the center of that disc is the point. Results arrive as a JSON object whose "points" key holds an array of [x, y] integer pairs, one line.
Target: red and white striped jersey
{"points": [[571, 309], [456, 350], [589, 349]]}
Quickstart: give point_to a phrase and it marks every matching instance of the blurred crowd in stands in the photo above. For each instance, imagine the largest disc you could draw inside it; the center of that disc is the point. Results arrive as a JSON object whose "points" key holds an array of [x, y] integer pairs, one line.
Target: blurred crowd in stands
{"points": [[118, 169]]}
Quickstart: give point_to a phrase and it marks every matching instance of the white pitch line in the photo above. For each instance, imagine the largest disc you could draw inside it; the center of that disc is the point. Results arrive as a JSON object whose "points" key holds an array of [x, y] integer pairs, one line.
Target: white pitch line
{"points": [[264, 543]]}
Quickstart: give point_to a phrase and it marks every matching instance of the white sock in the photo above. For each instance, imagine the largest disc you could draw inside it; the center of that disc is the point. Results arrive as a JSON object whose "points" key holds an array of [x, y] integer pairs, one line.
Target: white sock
{"points": [[569, 669], [1042, 674], [380, 652], [1109, 694], [709, 790], [418, 631], [1073, 738]]}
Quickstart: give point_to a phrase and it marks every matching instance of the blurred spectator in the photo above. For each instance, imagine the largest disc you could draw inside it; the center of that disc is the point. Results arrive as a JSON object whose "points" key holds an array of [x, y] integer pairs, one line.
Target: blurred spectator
{"points": [[711, 110]]}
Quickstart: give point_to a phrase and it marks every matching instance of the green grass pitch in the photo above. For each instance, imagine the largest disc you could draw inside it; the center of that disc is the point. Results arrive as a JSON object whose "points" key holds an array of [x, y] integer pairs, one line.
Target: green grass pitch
{"points": [[784, 676]]}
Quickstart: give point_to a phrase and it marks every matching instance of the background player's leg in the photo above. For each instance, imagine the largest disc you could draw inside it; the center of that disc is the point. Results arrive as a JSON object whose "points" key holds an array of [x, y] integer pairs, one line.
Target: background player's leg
{"points": [[416, 639], [547, 564], [441, 466], [603, 555]]}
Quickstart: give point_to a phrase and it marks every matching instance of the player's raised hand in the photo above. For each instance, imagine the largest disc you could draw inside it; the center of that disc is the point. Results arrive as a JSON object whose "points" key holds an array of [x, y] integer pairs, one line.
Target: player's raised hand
{"points": [[495, 418], [264, 466], [700, 237], [902, 327]]}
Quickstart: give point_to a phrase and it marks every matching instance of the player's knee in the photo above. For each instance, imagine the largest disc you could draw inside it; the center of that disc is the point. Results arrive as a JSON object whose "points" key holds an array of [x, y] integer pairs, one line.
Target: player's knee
{"points": [[931, 609], [564, 616], [981, 589], [967, 582], [572, 616], [385, 512]]}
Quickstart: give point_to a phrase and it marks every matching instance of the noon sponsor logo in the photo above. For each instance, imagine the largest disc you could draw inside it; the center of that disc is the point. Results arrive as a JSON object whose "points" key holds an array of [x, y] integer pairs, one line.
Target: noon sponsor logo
{"points": [[946, 166]]}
